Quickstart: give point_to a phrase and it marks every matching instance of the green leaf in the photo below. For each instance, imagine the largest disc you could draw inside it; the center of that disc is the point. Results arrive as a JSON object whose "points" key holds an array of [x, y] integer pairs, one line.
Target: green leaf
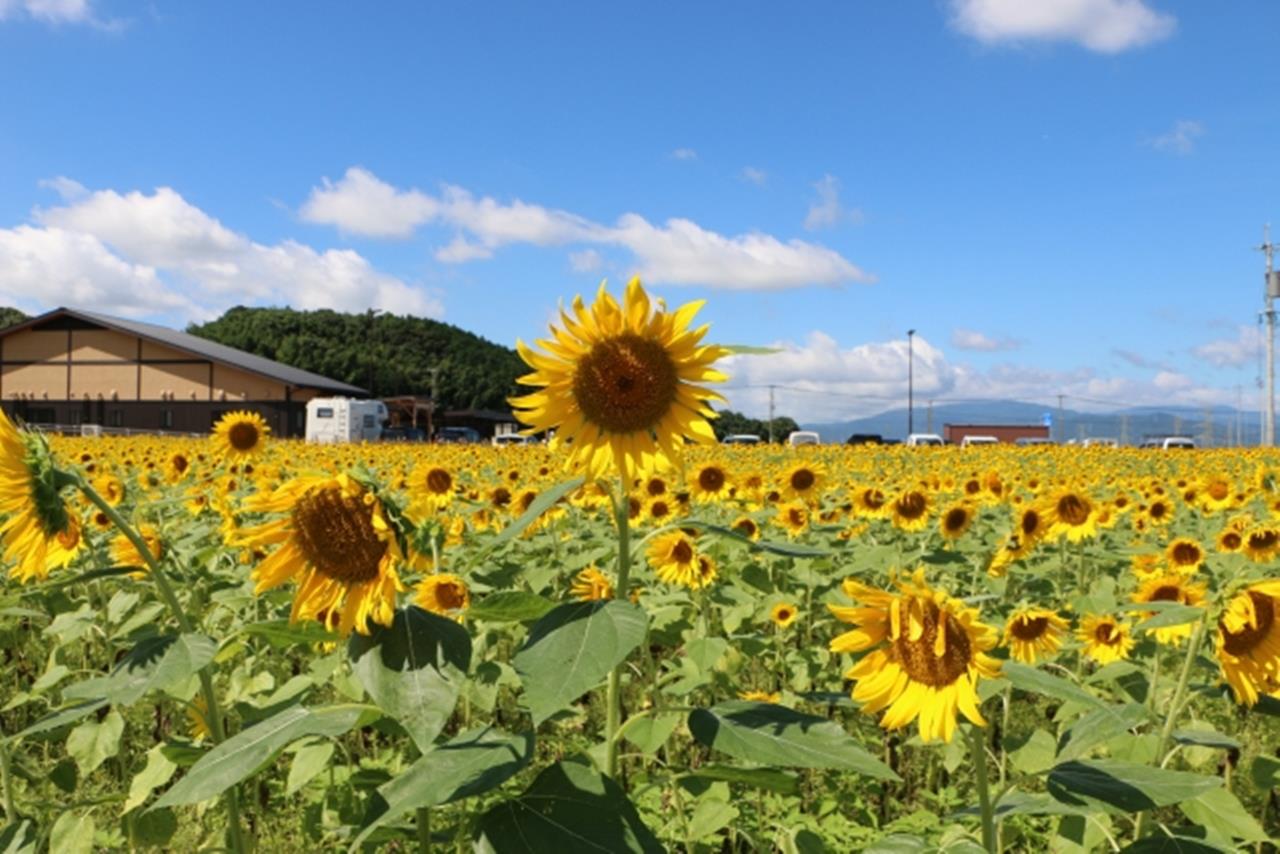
{"points": [[1170, 844], [158, 771], [414, 669], [155, 828], [1124, 785], [571, 650], [1221, 813], [647, 734], [155, 664], [94, 742], [1033, 681], [775, 735], [307, 763], [469, 764], [72, 834], [1205, 738], [285, 633], [784, 549], [770, 779], [510, 606], [569, 807], [19, 838], [1178, 615], [1265, 773], [61, 718], [1098, 726], [709, 816], [540, 505], [241, 755]]}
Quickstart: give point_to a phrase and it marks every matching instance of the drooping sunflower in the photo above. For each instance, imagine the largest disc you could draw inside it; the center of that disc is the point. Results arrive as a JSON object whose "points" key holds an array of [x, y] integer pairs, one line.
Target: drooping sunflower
{"points": [[1247, 641], [591, 585], [618, 383], [1174, 586], [241, 435], [443, 593], [928, 652], [1034, 633], [1105, 638], [41, 533], [336, 541], [674, 559], [783, 614]]}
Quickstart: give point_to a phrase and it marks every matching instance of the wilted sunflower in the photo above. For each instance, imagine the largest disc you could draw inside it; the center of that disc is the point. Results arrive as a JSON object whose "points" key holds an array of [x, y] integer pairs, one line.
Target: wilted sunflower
{"points": [[1033, 633], [933, 654], [1172, 586], [591, 585], [618, 383], [241, 435], [1105, 638], [783, 614], [335, 540], [1248, 641], [674, 559], [40, 533], [443, 593]]}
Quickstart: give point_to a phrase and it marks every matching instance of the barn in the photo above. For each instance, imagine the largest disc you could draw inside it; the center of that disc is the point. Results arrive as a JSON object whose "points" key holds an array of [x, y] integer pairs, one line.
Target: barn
{"points": [[68, 368]]}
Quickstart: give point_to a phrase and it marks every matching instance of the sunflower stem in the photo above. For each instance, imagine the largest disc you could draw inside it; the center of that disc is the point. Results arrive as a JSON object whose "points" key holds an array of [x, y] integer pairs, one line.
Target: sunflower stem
{"points": [[6, 784], [423, 822], [1175, 708], [613, 702], [216, 727], [978, 751]]}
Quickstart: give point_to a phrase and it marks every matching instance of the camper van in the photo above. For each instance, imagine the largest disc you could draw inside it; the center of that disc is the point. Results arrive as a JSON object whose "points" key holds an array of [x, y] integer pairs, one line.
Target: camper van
{"points": [[342, 419]]}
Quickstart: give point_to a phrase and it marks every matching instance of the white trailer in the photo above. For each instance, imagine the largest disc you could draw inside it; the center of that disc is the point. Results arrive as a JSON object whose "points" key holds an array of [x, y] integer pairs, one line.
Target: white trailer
{"points": [[342, 419]]}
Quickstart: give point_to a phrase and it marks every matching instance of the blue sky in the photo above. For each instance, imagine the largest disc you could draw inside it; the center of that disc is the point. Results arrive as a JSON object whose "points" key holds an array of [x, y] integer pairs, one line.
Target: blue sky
{"points": [[1059, 196]]}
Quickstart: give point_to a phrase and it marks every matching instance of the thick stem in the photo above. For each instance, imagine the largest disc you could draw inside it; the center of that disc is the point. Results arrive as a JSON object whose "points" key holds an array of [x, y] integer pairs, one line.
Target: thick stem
{"points": [[424, 830], [6, 785], [613, 702], [216, 725], [978, 750]]}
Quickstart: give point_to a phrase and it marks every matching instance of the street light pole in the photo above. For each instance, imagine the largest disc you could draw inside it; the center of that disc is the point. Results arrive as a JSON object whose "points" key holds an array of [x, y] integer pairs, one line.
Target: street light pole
{"points": [[911, 391]]}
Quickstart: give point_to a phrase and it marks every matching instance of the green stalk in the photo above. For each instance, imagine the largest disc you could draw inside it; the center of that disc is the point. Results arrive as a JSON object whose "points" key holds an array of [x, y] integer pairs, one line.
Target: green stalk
{"points": [[978, 750], [1175, 707], [170, 598], [6, 783], [613, 702], [424, 829]]}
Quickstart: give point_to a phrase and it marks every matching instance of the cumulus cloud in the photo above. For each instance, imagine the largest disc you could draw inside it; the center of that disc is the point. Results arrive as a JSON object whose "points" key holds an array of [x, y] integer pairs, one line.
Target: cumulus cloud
{"points": [[970, 339], [821, 380], [1103, 26], [157, 254], [1233, 352], [678, 251], [826, 211], [48, 11], [586, 261], [754, 176], [1180, 139]]}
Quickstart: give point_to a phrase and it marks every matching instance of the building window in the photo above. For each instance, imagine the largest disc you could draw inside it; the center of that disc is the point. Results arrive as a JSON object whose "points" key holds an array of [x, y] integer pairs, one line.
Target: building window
{"points": [[166, 419], [115, 418]]}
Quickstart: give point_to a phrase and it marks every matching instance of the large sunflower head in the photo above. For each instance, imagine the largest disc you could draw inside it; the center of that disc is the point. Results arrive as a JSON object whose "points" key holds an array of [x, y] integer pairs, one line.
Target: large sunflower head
{"points": [[618, 383], [336, 541], [1074, 515], [1184, 554], [927, 653], [1105, 638], [241, 435], [1248, 641], [674, 558], [711, 482], [1033, 633], [40, 532]]}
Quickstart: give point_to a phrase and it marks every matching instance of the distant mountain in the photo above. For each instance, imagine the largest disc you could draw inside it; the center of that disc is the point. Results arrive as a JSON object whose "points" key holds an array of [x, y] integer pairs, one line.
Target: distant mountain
{"points": [[1129, 425]]}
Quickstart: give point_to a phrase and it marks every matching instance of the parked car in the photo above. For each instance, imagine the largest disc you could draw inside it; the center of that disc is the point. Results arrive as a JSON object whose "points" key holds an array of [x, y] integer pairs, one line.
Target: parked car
{"points": [[1178, 443], [921, 440], [404, 434], [974, 441], [799, 438], [741, 439], [865, 439], [1032, 440], [1100, 442], [458, 436], [506, 440]]}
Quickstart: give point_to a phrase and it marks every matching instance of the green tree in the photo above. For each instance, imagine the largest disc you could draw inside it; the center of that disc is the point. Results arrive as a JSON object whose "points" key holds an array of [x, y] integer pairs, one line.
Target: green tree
{"points": [[730, 422], [11, 317]]}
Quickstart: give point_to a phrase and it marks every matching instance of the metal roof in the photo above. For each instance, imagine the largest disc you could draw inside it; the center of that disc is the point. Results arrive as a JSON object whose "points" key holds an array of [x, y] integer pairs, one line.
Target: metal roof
{"points": [[210, 350]]}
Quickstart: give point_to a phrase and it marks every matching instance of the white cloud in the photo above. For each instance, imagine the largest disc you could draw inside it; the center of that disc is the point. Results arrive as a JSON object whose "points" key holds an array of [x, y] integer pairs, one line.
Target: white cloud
{"points": [[678, 251], [158, 254], [826, 210], [754, 175], [48, 11], [1180, 139], [970, 339], [68, 189], [586, 261], [1233, 352], [1104, 26], [684, 154]]}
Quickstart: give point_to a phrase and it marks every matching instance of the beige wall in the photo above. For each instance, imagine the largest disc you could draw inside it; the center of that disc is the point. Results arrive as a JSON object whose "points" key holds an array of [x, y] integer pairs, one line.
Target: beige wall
{"points": [[95, 380], [239, 385], [38, 381], [151, 350], [179, 380], [31, 346], [99, 345]]}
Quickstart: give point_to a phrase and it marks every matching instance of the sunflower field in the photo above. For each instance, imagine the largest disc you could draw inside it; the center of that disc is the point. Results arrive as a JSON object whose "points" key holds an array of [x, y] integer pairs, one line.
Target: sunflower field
{"points": [[632, 639]]}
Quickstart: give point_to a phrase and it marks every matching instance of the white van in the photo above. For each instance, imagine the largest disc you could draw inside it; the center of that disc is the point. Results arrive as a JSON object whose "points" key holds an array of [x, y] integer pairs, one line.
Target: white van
{"points": [[972, 441], [803, 437], [925, 440], [1178, 443], [1100, 442], [506, 440], [343, 419]]}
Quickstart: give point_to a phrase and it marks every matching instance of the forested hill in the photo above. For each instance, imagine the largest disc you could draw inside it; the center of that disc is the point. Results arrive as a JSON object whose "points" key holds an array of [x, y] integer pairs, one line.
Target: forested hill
{"points": [[387, 354]]}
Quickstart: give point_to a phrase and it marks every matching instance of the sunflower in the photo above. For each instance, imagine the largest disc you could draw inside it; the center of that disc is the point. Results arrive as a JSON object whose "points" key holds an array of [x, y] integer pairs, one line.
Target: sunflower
{"points": [[40, 533], [1073, 515], [1033, 633], [336, 541], [783, 614], [443, 593], [1218, 493], [659, 510], [241, 435], [869, 501], [1032, 526], [955, 521], [1262, 544], [747, 527], [1229, 540], [1158, 512], [710, 483], [431, 489], [910, 510], [1184, 554], [794, 517], [706, 572], [804, 481], [109, 487], [933, 654], [125, 553], [1248, 641], [1105, 638], [1172, 586], [674, 558], [591, 585], [618, 383]]}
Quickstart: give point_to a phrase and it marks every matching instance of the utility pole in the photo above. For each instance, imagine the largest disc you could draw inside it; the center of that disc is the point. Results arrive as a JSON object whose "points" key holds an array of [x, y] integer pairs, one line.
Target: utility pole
{"points": [[911, 410], [930, 418], [1062, 426], [770, 415], [1271, 289], [431, 408]]}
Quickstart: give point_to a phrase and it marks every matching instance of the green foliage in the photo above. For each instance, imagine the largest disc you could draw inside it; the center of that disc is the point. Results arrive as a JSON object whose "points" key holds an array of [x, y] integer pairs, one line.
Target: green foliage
{"points": [[11, 316], [730, 423]]}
